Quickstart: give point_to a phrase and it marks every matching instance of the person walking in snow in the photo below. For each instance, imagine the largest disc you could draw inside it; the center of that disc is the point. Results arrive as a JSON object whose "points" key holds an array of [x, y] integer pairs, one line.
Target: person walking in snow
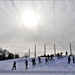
{"points": [[33, 62], [66, 53], [73, 59], [14, 66], [46, 60], [26, 64], [52, 58], [61, 53], [48, 56], [39, 60], [69, 60]]}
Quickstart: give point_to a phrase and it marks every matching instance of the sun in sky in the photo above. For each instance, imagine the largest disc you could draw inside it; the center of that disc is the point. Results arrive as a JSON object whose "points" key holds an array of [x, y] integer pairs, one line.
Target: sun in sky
{"points": [[29, 18]]}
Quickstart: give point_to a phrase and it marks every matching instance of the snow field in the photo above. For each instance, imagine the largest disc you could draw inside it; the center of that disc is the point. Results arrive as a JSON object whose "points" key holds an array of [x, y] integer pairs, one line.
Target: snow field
{"points": [[56, 67]]}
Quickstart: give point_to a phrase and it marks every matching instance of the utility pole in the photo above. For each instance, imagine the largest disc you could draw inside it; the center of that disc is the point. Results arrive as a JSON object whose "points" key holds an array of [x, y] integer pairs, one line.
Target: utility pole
{"points": [[35, 51], [70, 49], [54, 49], [44, 49], [29, 52]]}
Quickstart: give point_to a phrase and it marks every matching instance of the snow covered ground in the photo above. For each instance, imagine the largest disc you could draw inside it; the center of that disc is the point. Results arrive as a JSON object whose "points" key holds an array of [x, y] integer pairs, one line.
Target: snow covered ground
{"points": [[56, 67]]}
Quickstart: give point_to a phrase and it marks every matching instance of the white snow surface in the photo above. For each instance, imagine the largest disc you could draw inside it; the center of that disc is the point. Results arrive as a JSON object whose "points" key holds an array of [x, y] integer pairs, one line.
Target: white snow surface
{"points": [[56, 67]]}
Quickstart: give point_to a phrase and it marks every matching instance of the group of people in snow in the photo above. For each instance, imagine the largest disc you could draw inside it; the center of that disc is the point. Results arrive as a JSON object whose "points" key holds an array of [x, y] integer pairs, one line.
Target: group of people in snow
{"points": [[47, 58]]}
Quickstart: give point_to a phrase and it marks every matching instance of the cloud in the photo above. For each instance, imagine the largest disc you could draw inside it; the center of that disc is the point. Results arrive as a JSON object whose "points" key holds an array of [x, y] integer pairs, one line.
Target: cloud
{"points": [[15, 37]]}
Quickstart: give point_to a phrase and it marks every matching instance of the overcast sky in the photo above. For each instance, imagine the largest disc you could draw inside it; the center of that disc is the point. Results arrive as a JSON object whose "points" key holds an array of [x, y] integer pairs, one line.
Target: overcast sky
{"points": [[18, 37]]}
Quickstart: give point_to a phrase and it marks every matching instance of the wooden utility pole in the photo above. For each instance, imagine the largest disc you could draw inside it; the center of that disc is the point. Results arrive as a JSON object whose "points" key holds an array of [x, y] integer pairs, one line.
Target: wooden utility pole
{"points": [[35, 51], [54, 49], [70, 49], [29, 52], [44, 49]]}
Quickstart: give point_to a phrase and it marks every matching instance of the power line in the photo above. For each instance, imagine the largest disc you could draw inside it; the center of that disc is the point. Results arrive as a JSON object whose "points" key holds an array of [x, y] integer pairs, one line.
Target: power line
{"points": [[6, 13], [38, 22], [21, 20]]}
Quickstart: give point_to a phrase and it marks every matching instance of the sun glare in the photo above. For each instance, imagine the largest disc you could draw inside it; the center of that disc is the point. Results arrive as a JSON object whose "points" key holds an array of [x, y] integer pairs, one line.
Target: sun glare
{"points": [[29, 19]]}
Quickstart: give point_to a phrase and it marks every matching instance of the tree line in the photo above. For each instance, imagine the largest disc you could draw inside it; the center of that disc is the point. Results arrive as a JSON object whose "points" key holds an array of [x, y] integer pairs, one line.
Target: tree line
{"points": [[5, 55]]}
